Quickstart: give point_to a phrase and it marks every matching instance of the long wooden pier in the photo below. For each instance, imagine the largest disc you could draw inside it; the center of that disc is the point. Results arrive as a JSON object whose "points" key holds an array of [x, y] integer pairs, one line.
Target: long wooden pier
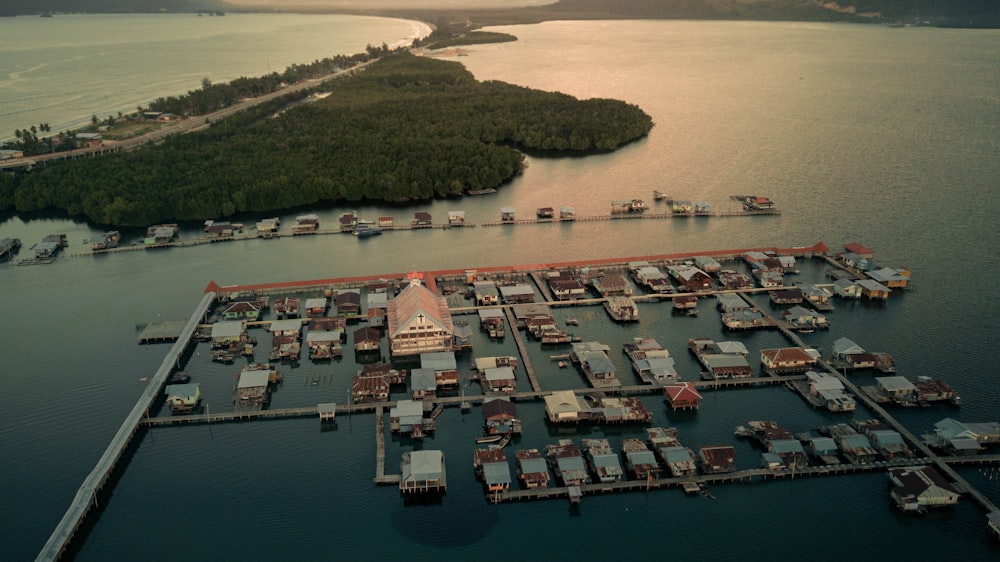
{"points": [[86, 497], [525, 360], [250, 235], [700, 479], [362, 407], [381, 478], [633, 216], [939, 462]]}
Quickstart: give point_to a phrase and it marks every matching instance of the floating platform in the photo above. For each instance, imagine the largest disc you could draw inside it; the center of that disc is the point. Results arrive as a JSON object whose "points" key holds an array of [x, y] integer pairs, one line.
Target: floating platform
{"points": [[160, 332]]}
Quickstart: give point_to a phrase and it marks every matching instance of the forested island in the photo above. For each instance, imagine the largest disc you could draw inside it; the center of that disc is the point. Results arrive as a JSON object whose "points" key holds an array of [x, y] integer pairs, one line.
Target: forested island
{"points": [[406, 128]]}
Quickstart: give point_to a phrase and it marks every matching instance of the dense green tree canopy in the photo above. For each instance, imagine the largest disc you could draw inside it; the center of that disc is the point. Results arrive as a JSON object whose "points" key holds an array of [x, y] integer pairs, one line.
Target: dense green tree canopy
{"points": [[405, 128]]}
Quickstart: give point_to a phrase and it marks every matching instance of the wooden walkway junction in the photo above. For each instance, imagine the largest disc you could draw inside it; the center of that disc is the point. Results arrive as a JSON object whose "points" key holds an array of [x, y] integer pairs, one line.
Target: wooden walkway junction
{"points": [[86, 497]]}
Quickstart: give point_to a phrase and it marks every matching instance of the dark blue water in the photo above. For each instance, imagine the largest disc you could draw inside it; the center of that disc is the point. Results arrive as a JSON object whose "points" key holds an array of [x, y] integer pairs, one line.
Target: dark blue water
{"points": [[887, 137]]}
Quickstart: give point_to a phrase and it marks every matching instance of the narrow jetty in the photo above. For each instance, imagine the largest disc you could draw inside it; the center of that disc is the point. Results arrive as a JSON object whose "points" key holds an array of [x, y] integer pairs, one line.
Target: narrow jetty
{"points": [[381, 478], [521, 349], [942, 464], [86, 497], [642, 484]]}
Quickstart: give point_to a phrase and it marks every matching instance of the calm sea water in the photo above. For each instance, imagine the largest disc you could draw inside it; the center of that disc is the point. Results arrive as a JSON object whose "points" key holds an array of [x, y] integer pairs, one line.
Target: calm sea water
{"points": [[65, 69], [884, 136]]}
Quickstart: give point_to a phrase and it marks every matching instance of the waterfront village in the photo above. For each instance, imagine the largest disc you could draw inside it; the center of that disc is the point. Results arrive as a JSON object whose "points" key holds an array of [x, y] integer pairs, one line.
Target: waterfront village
{"points": [[428, 324], [428, 320], [168, 235]]}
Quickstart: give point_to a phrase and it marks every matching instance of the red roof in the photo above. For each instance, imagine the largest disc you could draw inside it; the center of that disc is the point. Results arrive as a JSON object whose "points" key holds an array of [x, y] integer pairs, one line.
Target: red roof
{"points": [[683, 392], [859, 249]]}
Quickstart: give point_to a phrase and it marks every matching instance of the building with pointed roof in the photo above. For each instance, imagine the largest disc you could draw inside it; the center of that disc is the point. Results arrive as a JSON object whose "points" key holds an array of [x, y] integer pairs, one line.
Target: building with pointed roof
{"points": [[915, 488], [682, 396], [419, 321], [422, 471]]}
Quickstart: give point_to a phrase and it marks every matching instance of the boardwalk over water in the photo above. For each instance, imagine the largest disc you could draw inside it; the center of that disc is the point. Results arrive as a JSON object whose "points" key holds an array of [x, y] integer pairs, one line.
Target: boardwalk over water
{"points": [[521, 349], [86, 496], [700, 479], [381, 478], [939, 462], [445, 401], [249, 233]]}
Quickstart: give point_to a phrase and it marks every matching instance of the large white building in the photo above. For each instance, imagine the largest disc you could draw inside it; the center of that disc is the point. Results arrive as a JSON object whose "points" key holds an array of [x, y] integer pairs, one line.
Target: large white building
{"points": [[419, 321]]}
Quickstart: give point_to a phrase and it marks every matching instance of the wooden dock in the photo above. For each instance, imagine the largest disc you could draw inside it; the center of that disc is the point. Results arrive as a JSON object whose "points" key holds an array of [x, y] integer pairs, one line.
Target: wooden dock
{"points": [[942, 464], [234, 416], [633, 216], [509, 312], [679, 482], [251, 234], [158, 332], [87, 496], [381, 478]]}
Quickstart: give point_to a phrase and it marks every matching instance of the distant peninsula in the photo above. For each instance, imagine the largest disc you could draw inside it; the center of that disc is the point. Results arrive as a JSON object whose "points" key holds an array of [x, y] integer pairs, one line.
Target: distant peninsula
{"points": [[405, 128], [941, 13]]}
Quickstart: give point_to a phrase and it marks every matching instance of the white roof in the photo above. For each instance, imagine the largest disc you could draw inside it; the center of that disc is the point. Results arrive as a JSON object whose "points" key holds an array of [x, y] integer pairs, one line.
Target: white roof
{"points": [[896, 383], [424, 465], [822, 381], [316, 303], [563, 401], [255, 378], [407, 408], [733, 347], [227, 330], [322, 336], [499, 374], [845, 346], [288, 325]]}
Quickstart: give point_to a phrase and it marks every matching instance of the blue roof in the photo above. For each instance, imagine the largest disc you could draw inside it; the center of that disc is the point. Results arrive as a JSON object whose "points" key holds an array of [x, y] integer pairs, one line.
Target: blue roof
{"points": [[857, 441], [496, 473], [423, 379], [786, 446], [529, 466], [438, 360]]}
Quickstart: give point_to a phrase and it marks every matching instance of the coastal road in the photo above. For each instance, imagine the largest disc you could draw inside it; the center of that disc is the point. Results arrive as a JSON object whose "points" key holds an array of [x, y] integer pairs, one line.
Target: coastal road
{"points": [[187, 125]]}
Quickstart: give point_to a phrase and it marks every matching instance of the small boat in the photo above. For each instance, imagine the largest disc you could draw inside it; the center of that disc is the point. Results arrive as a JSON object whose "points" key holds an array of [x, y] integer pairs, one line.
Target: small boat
{"points": [[364, 230], [572, 322], [489, 438]]}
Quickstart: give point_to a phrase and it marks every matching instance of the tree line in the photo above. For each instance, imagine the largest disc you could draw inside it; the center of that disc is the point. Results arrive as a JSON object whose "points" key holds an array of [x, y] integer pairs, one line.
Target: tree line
{"points": [[405, 128]]}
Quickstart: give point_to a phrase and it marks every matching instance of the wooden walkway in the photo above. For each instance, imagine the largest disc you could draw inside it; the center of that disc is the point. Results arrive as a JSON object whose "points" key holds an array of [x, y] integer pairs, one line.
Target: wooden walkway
{"points": [[234, 416], [87, 495], [701, 479], [509, 312], [251, 234], [441, 402], [381, 478], [940, 463], [646, 215]]}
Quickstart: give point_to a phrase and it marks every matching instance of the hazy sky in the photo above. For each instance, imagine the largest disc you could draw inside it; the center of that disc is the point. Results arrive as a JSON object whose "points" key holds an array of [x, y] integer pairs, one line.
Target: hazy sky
{"points": [[390, 3]]}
